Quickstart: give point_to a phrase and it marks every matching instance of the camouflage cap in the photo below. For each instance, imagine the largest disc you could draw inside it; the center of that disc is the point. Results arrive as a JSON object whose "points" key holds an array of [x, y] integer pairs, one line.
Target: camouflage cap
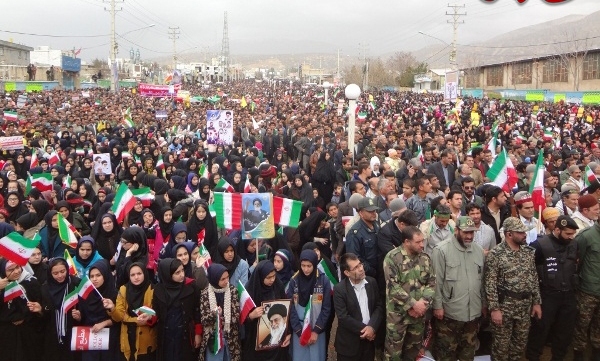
{"points": [[514, 224], [466, 224]]}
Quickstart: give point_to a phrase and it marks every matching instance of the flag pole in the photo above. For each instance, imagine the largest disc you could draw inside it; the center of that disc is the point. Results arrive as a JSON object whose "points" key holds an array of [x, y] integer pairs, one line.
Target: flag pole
{"points": [[95, 289], [24, 292], [539, 225]]}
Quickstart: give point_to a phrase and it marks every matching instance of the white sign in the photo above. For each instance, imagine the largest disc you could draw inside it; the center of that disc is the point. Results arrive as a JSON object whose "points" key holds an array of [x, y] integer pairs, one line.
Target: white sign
{"points": [[102, 164], [11, 143], [83, 339], [451, 86]]}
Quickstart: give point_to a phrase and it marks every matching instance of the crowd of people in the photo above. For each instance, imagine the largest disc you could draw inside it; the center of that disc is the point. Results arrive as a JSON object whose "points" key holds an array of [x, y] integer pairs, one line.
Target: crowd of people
{"points": [[422, 253]]}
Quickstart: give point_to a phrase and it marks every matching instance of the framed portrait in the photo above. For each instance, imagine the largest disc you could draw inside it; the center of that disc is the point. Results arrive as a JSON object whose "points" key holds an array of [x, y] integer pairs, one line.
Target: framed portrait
{"points": [[102, 164], [257, 216], [272, 325]]}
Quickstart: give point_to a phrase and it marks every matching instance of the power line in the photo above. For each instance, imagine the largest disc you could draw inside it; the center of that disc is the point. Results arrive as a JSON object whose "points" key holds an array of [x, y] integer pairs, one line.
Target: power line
{"points": [[455, 23], [174, 35], [54, 36]]}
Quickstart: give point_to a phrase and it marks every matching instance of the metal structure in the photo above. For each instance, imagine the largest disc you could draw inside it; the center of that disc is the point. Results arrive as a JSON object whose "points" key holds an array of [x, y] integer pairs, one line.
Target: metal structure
{"points": [[174, 35], [455, 23], [225, 50]]}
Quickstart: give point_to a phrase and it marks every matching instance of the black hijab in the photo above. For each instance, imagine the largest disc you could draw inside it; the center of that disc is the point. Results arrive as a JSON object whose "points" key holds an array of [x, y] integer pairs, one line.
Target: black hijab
{"points": [[107, 242], [257, 288], [242, 251], [306, 284], [214, 273], [85, 262], [286, 273], [56, 289], [108, 288], [136, 235], [189, 246], [135, 294], [51, 231], [224, 243], [208, 224], [165, 228], [166, 269], [41, 207]]}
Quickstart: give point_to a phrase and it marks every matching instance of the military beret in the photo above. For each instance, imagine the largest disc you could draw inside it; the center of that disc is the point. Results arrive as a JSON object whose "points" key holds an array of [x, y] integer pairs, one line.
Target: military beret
{"points": [[514, 224], [566, 222]]}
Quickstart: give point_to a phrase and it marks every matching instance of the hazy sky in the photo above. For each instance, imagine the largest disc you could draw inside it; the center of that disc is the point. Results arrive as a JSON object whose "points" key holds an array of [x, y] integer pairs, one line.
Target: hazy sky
{"points": [[268, 26]]}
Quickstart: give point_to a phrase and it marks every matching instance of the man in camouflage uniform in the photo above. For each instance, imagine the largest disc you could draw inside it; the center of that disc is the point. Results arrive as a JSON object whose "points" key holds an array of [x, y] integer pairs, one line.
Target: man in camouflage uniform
{"points": [[459, 294], [410, 286], [512, 291]]}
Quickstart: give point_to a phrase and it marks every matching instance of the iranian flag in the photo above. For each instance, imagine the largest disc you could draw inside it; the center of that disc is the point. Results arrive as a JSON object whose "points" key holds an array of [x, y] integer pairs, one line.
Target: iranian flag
{"points": [[71, 299], [246, 302], [247, 188], [10, 116], [69, 259], [536, 188], [228, 209], [322, 267], [548, 134], [125, 155], [419, 155], [225, 184], [54, 159], [204, 253], [491, 145], [85, 288], [203, 171], [42, 181], [123, 203], [12, 291], [590, 177], [361, 115], [80, 151], [66, 231], [218, 336], [127, 120], [144, 194], [145, 309], [306, 329], [160, 164], [34, 159], [97, 103], [503, 173], [286, 212], [66, 182], [17, 248]]}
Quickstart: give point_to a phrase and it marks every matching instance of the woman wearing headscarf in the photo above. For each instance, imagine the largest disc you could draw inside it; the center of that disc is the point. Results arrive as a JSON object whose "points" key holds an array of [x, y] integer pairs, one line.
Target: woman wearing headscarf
{"points": [[193, 182], [149, 226], [138, 336], [220, 299], [177, 182], [186, 252], [283, 265], [20, 324], [302, 191], [134, 217], [134, 248], [13, 203], [204, 192], [176, 303], [40, 207], [163, 234], [40, 269], [75, 218], [180, 202], [86, 255], [101, 195], [92, 312], [306, 283], [202, 228], [315, 228], [264, 286], [109, 236], [50, 241], [236, 267], [59, 324], [323, 177]]}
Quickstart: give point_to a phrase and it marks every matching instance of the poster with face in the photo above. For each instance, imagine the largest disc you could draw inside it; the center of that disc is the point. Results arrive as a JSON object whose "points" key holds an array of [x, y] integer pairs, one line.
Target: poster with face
{"points": [[257, 216], [102, 164], [272, 324], [219, 126]]}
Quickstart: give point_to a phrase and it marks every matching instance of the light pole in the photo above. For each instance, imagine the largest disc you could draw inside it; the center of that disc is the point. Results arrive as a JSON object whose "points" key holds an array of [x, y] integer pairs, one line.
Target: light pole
{"points": [[326, 86], [352, 92]]}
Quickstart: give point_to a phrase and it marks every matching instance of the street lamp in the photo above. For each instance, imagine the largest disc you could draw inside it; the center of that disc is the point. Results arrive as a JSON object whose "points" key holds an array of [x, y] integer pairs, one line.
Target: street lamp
{"points": [[352, 92], [326, 86]]}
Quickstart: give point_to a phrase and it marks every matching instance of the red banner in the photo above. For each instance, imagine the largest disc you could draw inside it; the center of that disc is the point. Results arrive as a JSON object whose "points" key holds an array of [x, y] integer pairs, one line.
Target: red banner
{"points": [[152, 90]]}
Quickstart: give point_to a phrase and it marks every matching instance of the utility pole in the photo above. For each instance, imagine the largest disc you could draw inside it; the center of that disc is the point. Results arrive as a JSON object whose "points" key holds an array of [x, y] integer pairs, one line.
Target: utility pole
{"points": [[225, 50], [363, 50], [455, 23], [114, 69], [174, 35]]}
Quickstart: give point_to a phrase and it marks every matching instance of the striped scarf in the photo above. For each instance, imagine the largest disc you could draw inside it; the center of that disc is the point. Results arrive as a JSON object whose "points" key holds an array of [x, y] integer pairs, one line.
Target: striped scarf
{"points": [[212, 301]]}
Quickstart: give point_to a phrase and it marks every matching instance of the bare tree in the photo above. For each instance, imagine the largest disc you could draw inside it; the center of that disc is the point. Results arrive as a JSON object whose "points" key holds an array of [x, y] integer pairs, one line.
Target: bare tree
{"points": [[571, 52]]}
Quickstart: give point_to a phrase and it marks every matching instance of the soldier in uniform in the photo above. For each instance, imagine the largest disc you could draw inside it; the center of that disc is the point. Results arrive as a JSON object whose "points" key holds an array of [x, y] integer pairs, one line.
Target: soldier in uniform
{"points": [[512, 291], [458, 301], [410, 284], [556, 263], [587, 326]]}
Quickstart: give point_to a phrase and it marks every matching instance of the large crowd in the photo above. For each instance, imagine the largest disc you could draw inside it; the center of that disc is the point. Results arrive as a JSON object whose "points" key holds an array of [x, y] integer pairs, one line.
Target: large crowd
{"points": [[422, 254]]}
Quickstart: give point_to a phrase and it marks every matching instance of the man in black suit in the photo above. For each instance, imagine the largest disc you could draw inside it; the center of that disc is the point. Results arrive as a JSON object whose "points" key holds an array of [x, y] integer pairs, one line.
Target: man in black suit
{"points": [[359, 310], [444, 169]]}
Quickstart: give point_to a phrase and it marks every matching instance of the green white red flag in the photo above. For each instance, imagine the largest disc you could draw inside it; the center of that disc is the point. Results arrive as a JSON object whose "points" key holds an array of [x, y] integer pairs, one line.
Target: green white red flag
{"points": [[12, 291], [590, 177], [144, 194], [218, 335], [536, 188], [71, 263], [42, 181], [225, 184], [306, 328], [322, 267], [86, 287], [123, 203], [503, 173], [66, 231], [14, 247], [286, 212], [228, 210], [246, 302]]}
